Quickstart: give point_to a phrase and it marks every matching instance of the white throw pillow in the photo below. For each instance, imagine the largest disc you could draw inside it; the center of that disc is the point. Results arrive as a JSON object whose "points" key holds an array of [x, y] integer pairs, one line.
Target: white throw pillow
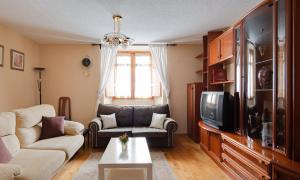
{"points": [[109, 121], [158, 120]]}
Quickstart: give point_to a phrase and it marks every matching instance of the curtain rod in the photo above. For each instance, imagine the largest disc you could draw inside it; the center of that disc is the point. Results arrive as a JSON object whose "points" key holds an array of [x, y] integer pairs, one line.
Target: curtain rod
{"points": [[138, 45]]}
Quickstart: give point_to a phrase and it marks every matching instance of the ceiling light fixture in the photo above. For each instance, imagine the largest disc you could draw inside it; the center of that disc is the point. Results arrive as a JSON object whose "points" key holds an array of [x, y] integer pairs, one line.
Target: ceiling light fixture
{"points": [[116, 38]]}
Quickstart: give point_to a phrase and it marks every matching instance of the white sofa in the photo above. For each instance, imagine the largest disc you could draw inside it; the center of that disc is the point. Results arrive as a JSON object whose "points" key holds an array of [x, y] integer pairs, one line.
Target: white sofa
{"points": [[32, 158]]}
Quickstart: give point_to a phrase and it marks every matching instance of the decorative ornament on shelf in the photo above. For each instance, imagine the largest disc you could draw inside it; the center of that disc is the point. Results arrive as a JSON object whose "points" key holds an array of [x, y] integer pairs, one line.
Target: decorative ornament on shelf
{"points": [[265, 77], [116, 38], [124, 140], [261, 50]]}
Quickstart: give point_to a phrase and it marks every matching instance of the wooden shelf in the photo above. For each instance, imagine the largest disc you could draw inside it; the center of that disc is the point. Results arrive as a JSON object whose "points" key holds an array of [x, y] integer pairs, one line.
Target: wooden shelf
{"points": [[222, 61], [222, 82], [199, 71], [208, 128], [264, 90], [264, 61], [199, 56]]}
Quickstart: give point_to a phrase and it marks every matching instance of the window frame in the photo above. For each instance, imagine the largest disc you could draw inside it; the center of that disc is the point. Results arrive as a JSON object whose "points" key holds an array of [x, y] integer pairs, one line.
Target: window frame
{"points": [[132, 75]]}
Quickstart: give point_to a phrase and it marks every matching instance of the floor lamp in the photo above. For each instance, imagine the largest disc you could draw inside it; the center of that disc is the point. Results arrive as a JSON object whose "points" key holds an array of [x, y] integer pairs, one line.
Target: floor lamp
{"points": [[39, 81]]}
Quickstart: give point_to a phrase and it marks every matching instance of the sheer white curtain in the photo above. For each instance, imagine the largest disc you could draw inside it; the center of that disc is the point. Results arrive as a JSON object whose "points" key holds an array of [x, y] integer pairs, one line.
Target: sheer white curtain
{"points": [[159, 58], [108, 59]]}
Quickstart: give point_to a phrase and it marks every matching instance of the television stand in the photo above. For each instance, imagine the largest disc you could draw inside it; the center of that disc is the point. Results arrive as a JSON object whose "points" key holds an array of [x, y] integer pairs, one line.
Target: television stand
{"points": [[243, 159], [210, 141]]}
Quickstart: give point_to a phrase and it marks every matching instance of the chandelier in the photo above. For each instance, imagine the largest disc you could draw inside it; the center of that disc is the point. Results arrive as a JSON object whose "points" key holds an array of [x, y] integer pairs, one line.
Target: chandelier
{"points": [[116, 38]]}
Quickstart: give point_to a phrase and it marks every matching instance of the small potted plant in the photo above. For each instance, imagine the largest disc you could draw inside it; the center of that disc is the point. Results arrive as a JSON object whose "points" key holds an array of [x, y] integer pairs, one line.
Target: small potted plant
{"points": [[124, 140]]}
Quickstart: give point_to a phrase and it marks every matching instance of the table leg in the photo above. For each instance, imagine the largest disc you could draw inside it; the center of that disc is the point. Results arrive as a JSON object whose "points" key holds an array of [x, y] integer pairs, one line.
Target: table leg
{"points": [[149, 173], [101, 172]]}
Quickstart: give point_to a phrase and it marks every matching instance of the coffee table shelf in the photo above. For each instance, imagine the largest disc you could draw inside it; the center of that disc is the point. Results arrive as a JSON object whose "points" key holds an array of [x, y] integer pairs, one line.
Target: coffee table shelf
{"points": [[137, 155]]}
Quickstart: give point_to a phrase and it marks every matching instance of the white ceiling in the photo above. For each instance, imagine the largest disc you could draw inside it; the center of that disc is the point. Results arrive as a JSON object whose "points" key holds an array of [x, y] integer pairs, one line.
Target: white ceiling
{"points": [[86, 21]]}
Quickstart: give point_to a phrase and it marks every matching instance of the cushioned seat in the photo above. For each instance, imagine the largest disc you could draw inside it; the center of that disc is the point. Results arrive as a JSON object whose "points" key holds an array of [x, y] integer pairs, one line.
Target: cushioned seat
{"points": [[68, 144], [38, 164], [135, 121], [148, 132], [114, 132]]}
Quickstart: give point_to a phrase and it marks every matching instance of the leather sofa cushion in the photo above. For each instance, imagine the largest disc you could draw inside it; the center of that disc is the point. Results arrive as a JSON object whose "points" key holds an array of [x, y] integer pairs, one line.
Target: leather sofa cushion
{"points": [[7, 123], [12, 143], [68, 144], [142, 115], [161, 109], [123, 113], [30, 117], [133, 132], [28, 136], [114, 132], [148, 132], [38, 164]]}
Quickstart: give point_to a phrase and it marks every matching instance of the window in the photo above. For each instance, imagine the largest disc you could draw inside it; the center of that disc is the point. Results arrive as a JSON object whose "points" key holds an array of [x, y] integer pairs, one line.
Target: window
{"points": [[133, 77], [251, 73]]}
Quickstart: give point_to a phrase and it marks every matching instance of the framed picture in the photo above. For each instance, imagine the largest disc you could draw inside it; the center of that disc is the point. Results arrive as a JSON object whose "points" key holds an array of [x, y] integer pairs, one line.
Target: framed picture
{"points": [[1, 55], [17, 60]]}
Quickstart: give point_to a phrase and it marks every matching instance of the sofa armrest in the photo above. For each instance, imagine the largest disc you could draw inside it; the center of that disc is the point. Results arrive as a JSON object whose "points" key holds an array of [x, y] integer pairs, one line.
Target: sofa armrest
{"points": [[170, 125], [95, 124], [9, 171], [73, 128]]}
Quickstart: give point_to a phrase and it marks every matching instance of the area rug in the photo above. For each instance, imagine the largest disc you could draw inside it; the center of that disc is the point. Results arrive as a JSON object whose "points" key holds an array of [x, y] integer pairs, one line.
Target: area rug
{"points": [[161, 169]]}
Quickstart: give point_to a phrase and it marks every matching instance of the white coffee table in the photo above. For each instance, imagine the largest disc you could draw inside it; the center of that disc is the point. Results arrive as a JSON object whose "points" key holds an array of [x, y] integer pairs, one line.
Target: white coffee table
{"points": [[137, 155]]}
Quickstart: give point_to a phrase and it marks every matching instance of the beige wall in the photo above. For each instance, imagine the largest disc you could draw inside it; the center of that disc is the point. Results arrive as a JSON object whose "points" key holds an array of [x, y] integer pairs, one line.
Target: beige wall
{"points": [[65, 76], [182, 67], [18, 88]]}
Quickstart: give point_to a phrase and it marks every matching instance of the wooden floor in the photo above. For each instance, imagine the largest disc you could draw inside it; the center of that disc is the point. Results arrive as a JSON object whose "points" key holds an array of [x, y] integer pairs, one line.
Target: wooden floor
{"points": [[186, 159]]}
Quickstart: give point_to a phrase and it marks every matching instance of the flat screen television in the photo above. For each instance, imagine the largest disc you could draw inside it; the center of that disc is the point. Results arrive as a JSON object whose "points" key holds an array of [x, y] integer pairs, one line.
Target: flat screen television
{"points": [[216, 110]]}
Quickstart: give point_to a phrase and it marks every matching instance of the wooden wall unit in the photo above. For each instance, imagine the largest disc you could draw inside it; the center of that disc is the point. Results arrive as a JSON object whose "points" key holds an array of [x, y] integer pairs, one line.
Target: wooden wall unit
{"points": [[210, 141], [221, 48], [226, 45], [244, 159], [214, 51], [194, 91], [294, 7], [249, 158]]}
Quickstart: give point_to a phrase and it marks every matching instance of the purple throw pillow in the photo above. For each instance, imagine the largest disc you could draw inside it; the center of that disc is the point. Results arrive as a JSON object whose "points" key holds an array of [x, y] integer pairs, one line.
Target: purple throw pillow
{"points": [[52, 127], [5, 155]]}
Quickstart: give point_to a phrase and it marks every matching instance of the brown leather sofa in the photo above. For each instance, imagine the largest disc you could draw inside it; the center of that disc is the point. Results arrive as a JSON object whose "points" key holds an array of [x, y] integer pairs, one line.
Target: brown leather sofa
{"points": [[135, 121]]}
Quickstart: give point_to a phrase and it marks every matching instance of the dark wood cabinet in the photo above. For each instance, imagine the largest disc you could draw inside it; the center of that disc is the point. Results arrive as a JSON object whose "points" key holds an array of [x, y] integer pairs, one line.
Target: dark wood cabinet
{"points": [[214, 52], [194, 91], [265, 47], [210, 141], [226, 45], [221, 48]]}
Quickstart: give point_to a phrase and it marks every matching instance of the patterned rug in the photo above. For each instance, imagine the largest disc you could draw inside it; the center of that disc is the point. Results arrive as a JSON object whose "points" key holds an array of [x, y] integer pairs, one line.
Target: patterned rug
{"points": [[161, 169]]}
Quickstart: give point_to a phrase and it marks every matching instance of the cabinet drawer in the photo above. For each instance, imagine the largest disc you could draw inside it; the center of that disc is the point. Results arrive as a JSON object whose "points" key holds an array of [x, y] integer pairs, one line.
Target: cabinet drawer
{"points": [[254, 158], [238, 171], [244, 163]]}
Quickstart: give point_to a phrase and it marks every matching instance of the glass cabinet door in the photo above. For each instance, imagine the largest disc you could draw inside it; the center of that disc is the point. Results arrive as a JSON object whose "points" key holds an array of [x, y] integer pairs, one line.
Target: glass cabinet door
{"points": [[280, 125], [258, 74], [238, 67], [238, 77]]}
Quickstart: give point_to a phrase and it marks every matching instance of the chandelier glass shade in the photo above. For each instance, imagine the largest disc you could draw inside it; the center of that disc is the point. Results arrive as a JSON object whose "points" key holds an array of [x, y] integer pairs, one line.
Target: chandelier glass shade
{"points": [[116, 38]]}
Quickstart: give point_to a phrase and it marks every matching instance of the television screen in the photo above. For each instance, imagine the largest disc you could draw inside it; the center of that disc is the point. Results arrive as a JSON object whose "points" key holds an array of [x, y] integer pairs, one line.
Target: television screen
{"points": [[216, 109]]}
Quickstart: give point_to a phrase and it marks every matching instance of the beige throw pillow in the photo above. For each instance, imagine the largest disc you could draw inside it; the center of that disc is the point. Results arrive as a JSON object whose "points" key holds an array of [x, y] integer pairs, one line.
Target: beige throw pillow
{"points": [[158, 121], [73, 128], [109, 121]]}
